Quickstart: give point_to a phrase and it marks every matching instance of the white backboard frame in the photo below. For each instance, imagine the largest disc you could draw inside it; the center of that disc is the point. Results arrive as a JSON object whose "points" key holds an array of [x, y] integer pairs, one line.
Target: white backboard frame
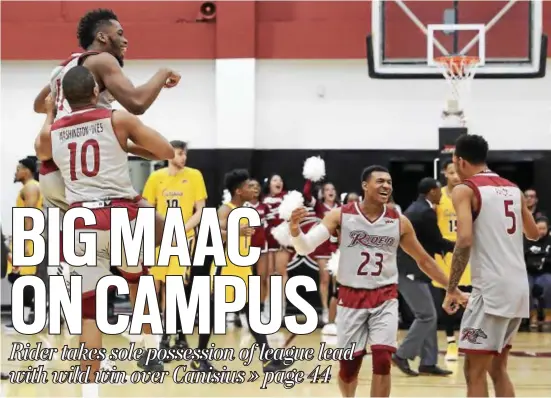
{"points": [[423, 69], [481, 40]]}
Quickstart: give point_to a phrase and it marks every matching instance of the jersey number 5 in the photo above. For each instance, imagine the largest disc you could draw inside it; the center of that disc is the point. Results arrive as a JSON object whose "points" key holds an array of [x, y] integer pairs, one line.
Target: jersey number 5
{"points": [[510, 214], [378, 262], [94, 145]]}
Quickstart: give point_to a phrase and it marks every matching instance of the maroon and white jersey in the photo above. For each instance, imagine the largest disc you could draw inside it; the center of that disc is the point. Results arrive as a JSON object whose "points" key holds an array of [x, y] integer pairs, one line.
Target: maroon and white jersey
{"points": [[56, 80], [259, 237], [497, 261], [272, 202], [368, 248], [90, 158]]}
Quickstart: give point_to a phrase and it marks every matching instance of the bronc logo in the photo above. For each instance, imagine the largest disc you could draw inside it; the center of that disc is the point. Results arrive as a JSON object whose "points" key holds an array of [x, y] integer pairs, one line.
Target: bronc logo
{"points": [[472, 335], [366, 240]]}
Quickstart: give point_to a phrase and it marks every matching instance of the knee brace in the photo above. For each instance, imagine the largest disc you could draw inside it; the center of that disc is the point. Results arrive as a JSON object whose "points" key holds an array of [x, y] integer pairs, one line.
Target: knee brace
{"points": [[349, 369], [381, 361]]}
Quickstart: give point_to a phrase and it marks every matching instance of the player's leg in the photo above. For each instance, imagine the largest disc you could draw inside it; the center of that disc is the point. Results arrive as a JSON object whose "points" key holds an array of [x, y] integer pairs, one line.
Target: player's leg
{"points": [[204, 365], [382, 337], [331, 328], [498, 371], [352, 331], [261, 269], [324, 288], [281, 263], [482, 337]]}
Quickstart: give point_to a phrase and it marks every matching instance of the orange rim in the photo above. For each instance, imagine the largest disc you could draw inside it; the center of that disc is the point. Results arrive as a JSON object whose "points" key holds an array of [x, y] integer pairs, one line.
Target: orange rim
{"points": [[457, 60]]}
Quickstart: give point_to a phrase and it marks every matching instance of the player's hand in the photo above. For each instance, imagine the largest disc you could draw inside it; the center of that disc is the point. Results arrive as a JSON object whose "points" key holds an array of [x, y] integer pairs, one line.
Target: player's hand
{"points": [[297, 216], [245, 230], [50, 106], [173, 79], [453, 301]]}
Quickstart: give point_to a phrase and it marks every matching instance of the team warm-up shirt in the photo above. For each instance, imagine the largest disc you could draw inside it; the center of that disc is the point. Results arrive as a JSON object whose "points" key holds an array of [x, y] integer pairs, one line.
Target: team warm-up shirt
{"points": [[181, 190]]}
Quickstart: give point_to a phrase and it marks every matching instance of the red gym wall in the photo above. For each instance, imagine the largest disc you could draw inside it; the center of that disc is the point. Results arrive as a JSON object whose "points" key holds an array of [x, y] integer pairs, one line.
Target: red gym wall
{"points": [[307, 30]]}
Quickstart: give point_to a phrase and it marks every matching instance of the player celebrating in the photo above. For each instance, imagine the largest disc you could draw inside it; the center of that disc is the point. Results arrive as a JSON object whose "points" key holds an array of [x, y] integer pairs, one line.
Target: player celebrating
{"points": [[99, 181], [241, 188], [370, 233], [491, 217], [447, 222]]}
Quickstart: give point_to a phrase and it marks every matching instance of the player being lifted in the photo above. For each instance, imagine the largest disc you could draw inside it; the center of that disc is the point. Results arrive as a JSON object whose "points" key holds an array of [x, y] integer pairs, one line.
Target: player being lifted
{"points": [[370, 233], [241, 187], [491, 218], [99, 180]]}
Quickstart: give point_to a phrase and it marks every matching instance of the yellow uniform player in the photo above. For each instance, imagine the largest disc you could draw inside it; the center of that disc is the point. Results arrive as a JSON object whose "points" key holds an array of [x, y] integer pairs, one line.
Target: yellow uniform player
{"points": [[183, 187]]}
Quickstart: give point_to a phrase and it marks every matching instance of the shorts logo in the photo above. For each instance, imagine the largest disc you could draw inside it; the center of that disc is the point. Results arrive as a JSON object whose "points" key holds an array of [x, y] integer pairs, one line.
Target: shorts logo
{"points": [[472, 335]]}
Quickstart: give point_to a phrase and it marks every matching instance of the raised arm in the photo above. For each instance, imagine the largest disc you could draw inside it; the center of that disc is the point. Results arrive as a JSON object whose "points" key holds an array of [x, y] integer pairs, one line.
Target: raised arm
{"points": [[528, 222], [305, 244], [39, 105], [410, 244], [462, 198], [43, 141], [136, 100], [130, 127]]}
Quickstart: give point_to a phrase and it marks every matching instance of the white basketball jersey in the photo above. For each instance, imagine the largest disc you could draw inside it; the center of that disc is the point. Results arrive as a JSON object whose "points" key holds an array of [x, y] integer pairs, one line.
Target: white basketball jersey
{"points": [[56, 85], [368, 249], [497, 254], [90, 158]]}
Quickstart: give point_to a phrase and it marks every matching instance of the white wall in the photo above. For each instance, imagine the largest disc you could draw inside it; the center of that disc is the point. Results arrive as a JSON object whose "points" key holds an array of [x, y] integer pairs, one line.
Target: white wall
{"points": [[309, 104], [337, 102]]}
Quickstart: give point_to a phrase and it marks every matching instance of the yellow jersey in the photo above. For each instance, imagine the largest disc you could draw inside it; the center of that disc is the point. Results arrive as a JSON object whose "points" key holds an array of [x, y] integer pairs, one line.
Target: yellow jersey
{"points": [[180, 190], [447, 223], [21, 202], [230, 268]]}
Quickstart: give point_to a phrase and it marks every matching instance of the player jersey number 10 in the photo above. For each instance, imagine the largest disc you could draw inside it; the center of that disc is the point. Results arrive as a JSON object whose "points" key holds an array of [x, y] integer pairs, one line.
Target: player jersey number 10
{"points": [[172, 203]]}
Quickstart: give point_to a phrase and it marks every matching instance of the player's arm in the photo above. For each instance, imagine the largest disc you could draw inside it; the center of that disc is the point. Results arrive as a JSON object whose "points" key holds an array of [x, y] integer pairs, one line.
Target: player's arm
{"points": [[130, 127], [462, 198], [135, 99], [410, 244], [150, 189], [200, 201], [140, 151], [223, 214], [305, 244], [43, 142], [528, 222], [39, 105]]}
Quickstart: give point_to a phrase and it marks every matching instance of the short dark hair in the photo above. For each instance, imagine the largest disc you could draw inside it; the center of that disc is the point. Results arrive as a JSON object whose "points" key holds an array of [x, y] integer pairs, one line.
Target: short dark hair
{"points": [[366, 174], [446, 163], [472, 148], [29, 163], [234, 179], [90, 23], [177, 144], [426, 185], [78, 85]]}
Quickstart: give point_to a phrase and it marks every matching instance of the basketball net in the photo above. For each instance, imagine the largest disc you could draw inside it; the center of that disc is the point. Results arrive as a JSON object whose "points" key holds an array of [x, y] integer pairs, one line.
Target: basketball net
{"points": [[459, 71]]}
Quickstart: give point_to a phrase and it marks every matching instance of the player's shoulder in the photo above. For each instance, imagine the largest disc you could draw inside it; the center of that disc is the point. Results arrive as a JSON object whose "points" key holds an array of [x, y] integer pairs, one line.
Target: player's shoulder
{"points": [[159, 173], [191, 172], [489, 179]]}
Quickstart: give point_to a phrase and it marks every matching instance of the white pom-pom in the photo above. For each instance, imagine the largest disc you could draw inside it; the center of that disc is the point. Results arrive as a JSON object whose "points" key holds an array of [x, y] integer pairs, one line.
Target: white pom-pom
{"points": [[293, 200], [314, 169], [333, 263], [282, 234], [226, 196]]}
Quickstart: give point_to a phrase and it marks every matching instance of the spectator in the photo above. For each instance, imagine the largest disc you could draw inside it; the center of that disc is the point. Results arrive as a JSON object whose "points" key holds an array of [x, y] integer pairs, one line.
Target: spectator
{"points": [[532, 203], [538, 263]]}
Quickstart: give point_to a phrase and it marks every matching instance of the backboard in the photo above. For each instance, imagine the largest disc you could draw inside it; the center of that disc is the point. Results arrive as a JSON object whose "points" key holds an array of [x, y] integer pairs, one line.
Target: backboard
{"points": [[407, 35]]}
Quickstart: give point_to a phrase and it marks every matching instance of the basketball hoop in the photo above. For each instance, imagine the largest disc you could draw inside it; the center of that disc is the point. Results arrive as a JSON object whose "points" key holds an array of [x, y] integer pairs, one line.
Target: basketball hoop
{"points": [[459, 71]]}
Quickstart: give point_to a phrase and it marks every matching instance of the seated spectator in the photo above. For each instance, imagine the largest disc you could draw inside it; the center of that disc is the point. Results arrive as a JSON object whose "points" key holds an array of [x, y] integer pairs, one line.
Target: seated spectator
{"points": [[532, 203], [538, 262]]}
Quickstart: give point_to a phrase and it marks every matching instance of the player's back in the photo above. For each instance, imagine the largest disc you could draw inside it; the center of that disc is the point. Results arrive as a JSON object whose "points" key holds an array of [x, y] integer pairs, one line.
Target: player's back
{"points": [[368, 248], [497, 255], [56, 84], [91, 160]]}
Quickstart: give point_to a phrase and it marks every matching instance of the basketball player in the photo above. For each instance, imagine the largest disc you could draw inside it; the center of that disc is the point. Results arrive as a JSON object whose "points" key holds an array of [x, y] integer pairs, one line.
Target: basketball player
{"points": [[99, 180], [491, 217], [370, 233], [28, 196], [278, 256], [240, 186], [447, 222], [176, 186], [324, 251]]}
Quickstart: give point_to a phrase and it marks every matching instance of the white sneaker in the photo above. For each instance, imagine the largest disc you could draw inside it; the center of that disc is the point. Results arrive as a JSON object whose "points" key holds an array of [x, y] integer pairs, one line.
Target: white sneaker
{"points": [[325, 316], [107, 366], [329, 329]]}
